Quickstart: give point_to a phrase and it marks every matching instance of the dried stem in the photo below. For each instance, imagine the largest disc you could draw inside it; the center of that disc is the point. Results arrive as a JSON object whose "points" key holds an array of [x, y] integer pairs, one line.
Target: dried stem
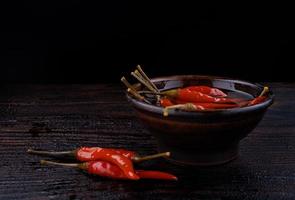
{"points": [[127, 84], [137, 96], [149, 157], [150, 92], [264, 91], [52, 153], [47, 162], [186, 107], [147, 78], [141, 80]]}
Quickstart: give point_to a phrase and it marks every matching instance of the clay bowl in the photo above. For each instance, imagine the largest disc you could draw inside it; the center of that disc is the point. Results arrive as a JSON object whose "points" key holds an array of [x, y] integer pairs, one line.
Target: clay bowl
{"points": [[202, 138]]}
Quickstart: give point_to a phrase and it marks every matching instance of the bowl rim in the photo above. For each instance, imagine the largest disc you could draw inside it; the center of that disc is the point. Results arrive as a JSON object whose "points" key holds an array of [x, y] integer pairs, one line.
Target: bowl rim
{"points": [[180, 113]]}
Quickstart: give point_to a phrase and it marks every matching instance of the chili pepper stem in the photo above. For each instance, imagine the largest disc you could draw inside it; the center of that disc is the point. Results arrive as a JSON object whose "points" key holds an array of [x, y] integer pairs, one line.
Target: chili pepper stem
{"points": [[127, 84], [147, 78], [52, 153], [137, 96], [149, 157], [264, 91], [150, 92], [136, 75], [47, 162], [187, 107], [170, 93]]}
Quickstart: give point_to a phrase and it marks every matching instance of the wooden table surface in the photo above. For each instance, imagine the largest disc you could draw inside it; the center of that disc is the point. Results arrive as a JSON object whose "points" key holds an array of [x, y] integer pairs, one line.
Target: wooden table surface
{"points": [[64, 117]]}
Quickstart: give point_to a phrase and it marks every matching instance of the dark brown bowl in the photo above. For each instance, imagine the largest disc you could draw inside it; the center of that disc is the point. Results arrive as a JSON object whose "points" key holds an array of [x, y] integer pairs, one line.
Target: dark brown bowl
{"points": [[202, 138]]}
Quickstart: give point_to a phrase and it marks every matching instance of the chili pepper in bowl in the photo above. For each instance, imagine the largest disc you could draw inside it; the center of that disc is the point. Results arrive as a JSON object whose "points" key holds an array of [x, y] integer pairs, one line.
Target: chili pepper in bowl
{"points": [[198, 107], [109, 170], [215, 92], [185, 107], [261, 98], [188, 95], [164, 102]]}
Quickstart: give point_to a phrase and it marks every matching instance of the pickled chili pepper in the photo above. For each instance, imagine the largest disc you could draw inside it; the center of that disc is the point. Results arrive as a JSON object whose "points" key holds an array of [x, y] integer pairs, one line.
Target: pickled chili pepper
{"points": [[261, 98], [257, 100], [193, 96], [106, 169], [207, 106], [198, 107], [164, 102], [88, 154], [216, 105], [207, 90]]}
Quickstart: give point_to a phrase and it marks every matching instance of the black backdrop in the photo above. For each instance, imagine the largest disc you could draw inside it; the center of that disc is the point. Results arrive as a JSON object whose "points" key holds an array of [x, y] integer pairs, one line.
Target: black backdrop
{"points": [[78, 41]]}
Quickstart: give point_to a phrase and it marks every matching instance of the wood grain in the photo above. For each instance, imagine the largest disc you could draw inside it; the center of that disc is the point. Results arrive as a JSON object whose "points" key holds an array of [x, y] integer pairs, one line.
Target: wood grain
{"points": [[61, 117]]}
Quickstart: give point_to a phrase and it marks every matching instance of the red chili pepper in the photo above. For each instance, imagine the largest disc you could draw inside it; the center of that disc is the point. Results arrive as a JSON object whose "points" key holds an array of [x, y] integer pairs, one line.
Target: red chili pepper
{"points": [[257, 100], [126, 153], [197, 107], [164, 102], [120, 157], [207, 90], [125, 164], [106, 169], [88, 154], [261, 98], [216, 105], [187, 95], [145, 174], [206, 106]]}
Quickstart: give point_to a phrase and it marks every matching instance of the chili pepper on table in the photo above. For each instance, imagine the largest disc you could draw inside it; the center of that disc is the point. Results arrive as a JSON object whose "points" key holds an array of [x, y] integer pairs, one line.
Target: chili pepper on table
{"points": [[207, 90], [148, 174], [106, 169], [194, 96], [89, 154], [104, 154], [124, 163]]}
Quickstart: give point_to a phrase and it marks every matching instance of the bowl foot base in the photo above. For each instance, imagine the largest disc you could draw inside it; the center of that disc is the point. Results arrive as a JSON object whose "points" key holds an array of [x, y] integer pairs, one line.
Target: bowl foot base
{"points": [[201, 157]]}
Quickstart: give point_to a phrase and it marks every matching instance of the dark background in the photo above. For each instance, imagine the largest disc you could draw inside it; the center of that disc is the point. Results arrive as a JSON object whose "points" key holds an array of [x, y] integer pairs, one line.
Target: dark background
{"points": [[84, 42]]}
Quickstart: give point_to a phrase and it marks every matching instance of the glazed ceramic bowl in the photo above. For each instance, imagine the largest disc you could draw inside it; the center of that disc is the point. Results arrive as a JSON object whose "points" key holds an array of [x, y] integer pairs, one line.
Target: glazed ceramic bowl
{"points": [[202, 138]]}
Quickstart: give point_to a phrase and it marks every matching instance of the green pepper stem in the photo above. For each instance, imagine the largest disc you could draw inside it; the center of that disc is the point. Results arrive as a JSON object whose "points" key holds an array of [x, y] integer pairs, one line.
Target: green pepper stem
{"points": [[170, 93], [47, 162], [52, 153], [137, 159]]}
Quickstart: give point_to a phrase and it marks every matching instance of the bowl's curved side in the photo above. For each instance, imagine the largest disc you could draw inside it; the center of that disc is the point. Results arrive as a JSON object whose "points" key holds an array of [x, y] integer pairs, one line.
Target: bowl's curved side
{"points": [[202, 138], [200, 142]]}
